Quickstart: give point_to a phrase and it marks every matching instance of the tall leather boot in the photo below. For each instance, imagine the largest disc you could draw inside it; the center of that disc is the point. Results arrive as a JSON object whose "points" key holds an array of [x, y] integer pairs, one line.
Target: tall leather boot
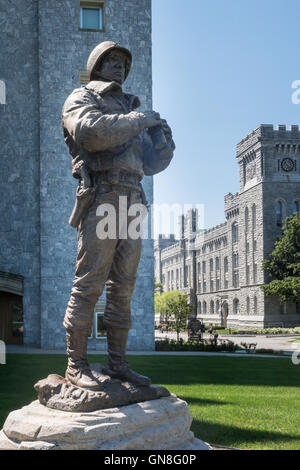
{"points": [[78, 371], [117, 366]]}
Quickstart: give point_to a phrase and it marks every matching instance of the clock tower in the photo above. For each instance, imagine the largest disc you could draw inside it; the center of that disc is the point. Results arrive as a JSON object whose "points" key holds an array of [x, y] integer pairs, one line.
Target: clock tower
{"points": [[269, 162]]}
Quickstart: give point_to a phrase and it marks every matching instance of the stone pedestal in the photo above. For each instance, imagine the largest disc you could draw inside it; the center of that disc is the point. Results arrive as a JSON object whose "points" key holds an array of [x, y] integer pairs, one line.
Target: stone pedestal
{"points": [[159, 424]]}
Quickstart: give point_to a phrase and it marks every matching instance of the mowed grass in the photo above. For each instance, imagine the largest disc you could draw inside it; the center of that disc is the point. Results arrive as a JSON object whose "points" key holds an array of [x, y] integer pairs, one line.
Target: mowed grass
{"points": [[247, 402]]}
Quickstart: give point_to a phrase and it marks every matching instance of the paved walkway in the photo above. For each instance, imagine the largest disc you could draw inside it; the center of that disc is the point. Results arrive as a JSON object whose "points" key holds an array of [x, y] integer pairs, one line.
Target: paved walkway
{"points": [[281, 345], [277, 343], [20, 349]]}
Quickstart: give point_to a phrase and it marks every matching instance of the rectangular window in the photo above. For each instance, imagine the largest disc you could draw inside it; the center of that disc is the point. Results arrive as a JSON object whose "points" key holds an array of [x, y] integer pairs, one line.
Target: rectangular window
{"points": [[226, 283], [235, 260], [100, 327], [235, 278], [83, 78], [255, 273], [247, 274], [92, 16], [186, 281], [218, 284]]}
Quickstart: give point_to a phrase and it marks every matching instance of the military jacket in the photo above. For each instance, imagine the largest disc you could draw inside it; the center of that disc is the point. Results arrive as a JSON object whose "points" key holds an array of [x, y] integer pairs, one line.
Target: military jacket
{"points": [[103, 129]]}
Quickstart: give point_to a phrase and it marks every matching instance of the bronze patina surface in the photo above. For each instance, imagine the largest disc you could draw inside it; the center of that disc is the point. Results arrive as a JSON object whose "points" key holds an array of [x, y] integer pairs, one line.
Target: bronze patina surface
{"points": [[113, 146], [58, 393]]}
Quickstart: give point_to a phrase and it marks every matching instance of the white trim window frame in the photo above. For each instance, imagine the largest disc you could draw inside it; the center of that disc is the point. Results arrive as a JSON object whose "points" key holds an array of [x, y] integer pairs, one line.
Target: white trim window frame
{"points": [[98, 314], [100, 17]]}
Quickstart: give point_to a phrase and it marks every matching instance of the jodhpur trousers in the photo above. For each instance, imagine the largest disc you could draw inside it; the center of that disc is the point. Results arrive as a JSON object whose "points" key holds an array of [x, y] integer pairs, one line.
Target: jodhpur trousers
{"points": [[111, 261]]}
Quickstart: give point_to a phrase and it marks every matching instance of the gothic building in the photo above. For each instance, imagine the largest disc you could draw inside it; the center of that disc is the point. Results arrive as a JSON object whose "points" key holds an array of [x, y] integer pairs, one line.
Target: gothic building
{"points": [[44, 49], [220, 268]]}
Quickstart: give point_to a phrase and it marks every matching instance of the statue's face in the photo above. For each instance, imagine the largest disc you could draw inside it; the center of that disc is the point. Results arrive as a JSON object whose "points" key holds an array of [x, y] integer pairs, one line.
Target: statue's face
{"points": [[113, 67]]}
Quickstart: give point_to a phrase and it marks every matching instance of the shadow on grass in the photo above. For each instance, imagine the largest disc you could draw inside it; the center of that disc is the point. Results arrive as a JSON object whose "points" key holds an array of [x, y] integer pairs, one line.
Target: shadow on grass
{"points": [[200, 370], [224, 435], [202, 401]]}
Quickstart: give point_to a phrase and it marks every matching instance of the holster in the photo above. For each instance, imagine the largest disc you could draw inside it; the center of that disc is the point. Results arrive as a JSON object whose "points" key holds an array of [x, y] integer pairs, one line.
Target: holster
{"points": [[84, 199]]}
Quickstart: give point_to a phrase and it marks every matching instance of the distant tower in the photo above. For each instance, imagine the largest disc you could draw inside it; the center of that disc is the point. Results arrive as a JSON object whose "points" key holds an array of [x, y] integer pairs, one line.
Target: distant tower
{"points": [[45, 56], [269, 191]]}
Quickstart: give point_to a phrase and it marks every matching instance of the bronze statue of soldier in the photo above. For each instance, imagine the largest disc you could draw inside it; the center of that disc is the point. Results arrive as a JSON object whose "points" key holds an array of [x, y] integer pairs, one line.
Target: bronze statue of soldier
{"points": [[113, 146]]}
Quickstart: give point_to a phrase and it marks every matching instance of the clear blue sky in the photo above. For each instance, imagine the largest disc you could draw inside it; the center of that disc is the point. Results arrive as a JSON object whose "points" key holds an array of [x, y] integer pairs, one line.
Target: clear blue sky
{"points": [[220, 68]]}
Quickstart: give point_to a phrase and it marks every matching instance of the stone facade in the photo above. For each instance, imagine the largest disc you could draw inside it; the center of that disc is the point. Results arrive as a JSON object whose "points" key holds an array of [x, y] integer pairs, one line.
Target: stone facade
{"points": [[220, 268], [43, 50]]}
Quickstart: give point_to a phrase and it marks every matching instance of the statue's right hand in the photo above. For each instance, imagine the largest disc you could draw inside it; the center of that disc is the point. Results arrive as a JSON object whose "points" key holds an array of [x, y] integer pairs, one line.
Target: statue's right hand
{"points": [[151, 119]]}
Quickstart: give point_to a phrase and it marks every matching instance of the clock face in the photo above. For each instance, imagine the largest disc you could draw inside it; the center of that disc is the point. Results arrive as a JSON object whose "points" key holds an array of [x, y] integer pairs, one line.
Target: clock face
{"points": [[287, 164]]}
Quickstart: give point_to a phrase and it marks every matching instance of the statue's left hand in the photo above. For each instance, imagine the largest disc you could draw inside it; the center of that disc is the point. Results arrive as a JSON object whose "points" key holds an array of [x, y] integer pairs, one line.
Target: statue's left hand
{"points": [[166, 129]]}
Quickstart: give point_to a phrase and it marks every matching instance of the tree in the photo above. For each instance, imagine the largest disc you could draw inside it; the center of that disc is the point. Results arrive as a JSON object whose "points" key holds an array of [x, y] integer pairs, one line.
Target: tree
{"points": [[178, 308], [158, 286], [283, 267], [160, 302]]}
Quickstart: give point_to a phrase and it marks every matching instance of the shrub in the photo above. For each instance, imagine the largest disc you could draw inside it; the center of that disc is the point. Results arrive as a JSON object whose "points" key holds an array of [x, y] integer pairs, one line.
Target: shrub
{"points": [[267, 331], [205, 346], [264, 351]]}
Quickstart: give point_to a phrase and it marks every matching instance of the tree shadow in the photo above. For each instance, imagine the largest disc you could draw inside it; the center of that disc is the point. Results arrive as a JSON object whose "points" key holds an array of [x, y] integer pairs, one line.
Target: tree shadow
{"points": [[201, 370], [224, 435], [202, 401]]}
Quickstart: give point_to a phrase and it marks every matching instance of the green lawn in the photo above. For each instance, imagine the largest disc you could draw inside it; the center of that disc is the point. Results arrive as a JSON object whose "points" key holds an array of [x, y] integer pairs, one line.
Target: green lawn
{"points": [[248, 402]]}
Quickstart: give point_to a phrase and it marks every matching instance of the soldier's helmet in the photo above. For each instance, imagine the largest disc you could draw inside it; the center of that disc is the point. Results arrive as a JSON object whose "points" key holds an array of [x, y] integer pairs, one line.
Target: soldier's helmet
{"points": [[100, 52]]}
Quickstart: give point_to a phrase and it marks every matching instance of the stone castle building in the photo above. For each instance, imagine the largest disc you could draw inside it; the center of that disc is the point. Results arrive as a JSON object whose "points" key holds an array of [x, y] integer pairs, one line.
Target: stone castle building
{"points": [[44, 49], [220, 268]]}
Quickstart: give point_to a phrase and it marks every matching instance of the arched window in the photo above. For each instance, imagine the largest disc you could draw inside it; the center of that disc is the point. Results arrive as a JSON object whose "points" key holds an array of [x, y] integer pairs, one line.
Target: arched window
{"points": [[235, 232], [212, 307], [247, 219], [253, 217], [296, 207], [226, 265], [279, 213], [217, 306], [248, 305], [236, 306], [255, 305], [199, 308], [204, 307]]}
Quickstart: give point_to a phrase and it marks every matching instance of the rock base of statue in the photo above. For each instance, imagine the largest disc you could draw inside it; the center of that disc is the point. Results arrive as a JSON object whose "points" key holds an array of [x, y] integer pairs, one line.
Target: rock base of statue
{"points": [[161, 424], [119, 416], [58, 393]]}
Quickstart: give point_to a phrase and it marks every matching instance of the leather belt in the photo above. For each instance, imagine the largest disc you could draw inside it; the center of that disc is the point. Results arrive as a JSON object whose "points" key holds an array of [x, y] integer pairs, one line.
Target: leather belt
{"points": [[121, 179], [117, 177]]}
